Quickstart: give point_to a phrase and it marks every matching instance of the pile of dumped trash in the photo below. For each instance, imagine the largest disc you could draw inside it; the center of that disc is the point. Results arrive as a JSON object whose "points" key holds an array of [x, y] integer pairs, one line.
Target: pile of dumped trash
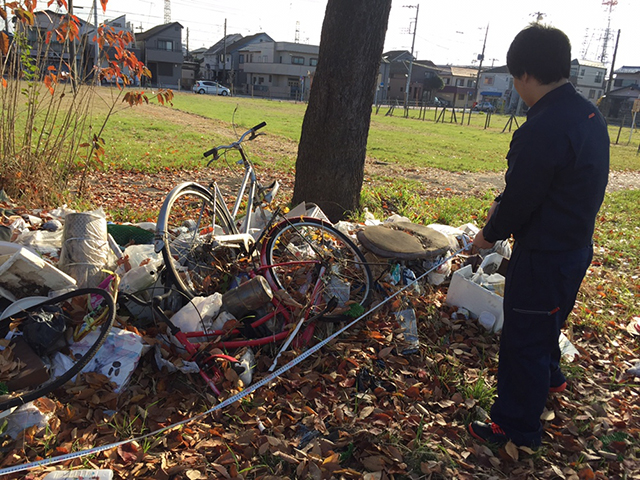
{"points": [[46, 254]]}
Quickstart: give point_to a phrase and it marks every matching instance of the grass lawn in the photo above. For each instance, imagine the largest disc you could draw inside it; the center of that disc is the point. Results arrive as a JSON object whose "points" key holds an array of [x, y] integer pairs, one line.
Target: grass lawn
{"points": [[135, 139], [594, 424]]}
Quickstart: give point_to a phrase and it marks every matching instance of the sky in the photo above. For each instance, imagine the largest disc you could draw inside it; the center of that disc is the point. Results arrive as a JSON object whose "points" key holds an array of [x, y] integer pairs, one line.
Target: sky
{"points": [[445, 33]]}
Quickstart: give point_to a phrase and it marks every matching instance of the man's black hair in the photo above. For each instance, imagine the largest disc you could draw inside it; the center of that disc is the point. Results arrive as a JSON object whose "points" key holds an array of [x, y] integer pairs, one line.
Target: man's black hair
{"points": [[541, 51]]}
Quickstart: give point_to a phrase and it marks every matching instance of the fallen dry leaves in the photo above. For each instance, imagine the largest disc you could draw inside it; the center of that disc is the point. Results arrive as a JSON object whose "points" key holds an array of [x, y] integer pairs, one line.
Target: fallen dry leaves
{"points": [[356, 409]]}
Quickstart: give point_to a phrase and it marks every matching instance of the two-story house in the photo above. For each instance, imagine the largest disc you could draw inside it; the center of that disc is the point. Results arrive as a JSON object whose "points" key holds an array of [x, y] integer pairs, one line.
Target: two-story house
{"points": [[277, 69], [421, 71], [224, 58], [217, 59], [161, 51], [459, 85], [56, 54], [618, 103], [588, 78], [626, 76], [496, 86]]}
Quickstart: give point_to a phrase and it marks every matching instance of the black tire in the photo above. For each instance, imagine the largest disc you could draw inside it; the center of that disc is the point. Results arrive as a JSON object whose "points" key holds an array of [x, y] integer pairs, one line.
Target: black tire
{"points": [[186, 233], [17, 398], [201, 91], [347, 275], [224, 93]]}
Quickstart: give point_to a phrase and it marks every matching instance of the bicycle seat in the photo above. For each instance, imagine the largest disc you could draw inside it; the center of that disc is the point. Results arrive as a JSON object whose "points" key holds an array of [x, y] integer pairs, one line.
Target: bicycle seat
{"points": [[405, 241], [267, 193]]}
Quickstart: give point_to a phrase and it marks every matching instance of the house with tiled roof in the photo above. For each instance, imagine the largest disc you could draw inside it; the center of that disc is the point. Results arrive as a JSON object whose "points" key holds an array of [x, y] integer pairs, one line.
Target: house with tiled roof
{"points": [[626, 76], [222, 61], [588, 78], [45, 45], [214, 58], [161, 51], [399, 63], [459, 85]]}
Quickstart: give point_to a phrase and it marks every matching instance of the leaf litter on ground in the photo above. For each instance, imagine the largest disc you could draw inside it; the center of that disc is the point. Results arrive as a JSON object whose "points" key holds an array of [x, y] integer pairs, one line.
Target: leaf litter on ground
{"points": [[359, 409]]}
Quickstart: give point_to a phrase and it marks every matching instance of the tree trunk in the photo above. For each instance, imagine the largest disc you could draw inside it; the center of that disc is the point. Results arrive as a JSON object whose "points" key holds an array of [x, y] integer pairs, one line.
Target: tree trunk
{"points": [[333, 143]]}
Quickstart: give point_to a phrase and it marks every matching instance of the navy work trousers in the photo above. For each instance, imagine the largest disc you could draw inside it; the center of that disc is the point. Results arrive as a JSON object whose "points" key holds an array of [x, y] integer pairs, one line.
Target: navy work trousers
{"points": [[540, 292]]}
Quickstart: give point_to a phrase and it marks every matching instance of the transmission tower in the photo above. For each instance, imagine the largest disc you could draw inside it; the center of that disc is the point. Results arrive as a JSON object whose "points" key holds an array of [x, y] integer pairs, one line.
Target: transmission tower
{"points": [[586, 43], [539, 16], [607, 32], [167, 11], [297, 37]]}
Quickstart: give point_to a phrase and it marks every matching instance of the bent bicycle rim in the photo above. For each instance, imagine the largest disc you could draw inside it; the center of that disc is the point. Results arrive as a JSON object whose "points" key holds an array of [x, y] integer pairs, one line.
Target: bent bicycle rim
{"points": [[105, 310], [314, 262], [189, 221]]}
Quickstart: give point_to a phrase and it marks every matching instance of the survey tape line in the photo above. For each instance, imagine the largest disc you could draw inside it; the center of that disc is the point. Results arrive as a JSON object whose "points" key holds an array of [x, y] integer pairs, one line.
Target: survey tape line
{"points": [[234, 398]]}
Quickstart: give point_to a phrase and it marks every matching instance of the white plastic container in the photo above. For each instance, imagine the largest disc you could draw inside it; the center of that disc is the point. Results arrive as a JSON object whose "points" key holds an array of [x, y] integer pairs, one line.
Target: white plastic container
{"points": [[464, 293], [139, 278]]}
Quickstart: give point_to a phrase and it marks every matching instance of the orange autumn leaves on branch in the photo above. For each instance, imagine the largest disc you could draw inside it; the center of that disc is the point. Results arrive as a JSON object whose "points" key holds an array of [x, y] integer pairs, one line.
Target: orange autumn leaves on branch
{"points": [[116, 63], [122, 64]]}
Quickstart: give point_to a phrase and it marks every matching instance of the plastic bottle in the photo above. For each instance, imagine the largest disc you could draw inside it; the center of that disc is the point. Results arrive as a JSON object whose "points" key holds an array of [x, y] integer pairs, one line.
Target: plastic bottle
{"points": [[139, 278], [408, 322], [487, 320]]}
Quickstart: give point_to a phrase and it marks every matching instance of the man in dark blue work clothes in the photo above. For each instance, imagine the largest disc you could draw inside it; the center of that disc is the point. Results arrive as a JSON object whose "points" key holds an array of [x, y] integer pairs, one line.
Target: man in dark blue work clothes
{"points": [[558, 166]]}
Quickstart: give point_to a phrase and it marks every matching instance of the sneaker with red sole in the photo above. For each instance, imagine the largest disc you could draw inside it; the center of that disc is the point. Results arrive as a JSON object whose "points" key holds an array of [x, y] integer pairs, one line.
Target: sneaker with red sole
{"points": [[488, 432], [559, 388]]}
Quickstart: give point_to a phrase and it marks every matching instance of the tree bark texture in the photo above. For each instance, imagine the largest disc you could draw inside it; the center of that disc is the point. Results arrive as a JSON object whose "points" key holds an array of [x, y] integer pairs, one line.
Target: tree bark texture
{"points": [[333, 143]]}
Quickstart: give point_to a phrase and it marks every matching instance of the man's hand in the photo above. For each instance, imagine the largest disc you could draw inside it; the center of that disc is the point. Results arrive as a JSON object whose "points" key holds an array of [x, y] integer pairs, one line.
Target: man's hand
{"points": [[479, 243]]}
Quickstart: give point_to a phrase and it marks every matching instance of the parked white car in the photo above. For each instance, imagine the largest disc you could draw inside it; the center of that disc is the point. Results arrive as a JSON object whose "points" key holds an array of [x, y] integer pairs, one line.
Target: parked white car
{"points": [[210, 87]]}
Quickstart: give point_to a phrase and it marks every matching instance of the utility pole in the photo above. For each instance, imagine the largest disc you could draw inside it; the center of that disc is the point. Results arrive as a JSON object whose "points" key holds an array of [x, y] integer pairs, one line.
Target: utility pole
{"points": [[413, 43], [613, 64], [72, 56], [481, 58], [96, 51], [224, 54]]}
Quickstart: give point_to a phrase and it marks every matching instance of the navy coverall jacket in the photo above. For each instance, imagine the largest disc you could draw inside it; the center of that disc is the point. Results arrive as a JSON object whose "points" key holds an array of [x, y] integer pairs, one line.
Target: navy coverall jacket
{"points": [[558, 171]]}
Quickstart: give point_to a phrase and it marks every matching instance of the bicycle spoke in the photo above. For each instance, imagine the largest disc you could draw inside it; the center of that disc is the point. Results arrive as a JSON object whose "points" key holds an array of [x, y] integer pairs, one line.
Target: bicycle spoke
{"points": [[337, 266], [191, 223]]}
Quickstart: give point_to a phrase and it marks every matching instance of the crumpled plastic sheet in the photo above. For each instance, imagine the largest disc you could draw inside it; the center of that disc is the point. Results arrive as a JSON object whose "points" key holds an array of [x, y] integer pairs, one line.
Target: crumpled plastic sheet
{"points": [[26, 416], [117, 358]]}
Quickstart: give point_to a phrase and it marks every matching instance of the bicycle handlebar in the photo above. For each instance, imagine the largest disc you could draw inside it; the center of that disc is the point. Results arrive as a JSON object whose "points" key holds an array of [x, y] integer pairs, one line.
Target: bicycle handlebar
{"points": [[216, 150]]}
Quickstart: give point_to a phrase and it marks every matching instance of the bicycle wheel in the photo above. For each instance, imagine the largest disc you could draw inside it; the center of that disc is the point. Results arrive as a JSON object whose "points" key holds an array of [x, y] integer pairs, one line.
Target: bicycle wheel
{"points": [[188, 224], [314, 262], [103, 309]]}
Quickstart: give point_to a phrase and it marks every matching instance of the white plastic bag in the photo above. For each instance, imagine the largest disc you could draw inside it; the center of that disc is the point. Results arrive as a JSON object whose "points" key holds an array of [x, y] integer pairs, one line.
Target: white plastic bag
{"points": [[117, 358], [26, 416], [190, 318]]}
